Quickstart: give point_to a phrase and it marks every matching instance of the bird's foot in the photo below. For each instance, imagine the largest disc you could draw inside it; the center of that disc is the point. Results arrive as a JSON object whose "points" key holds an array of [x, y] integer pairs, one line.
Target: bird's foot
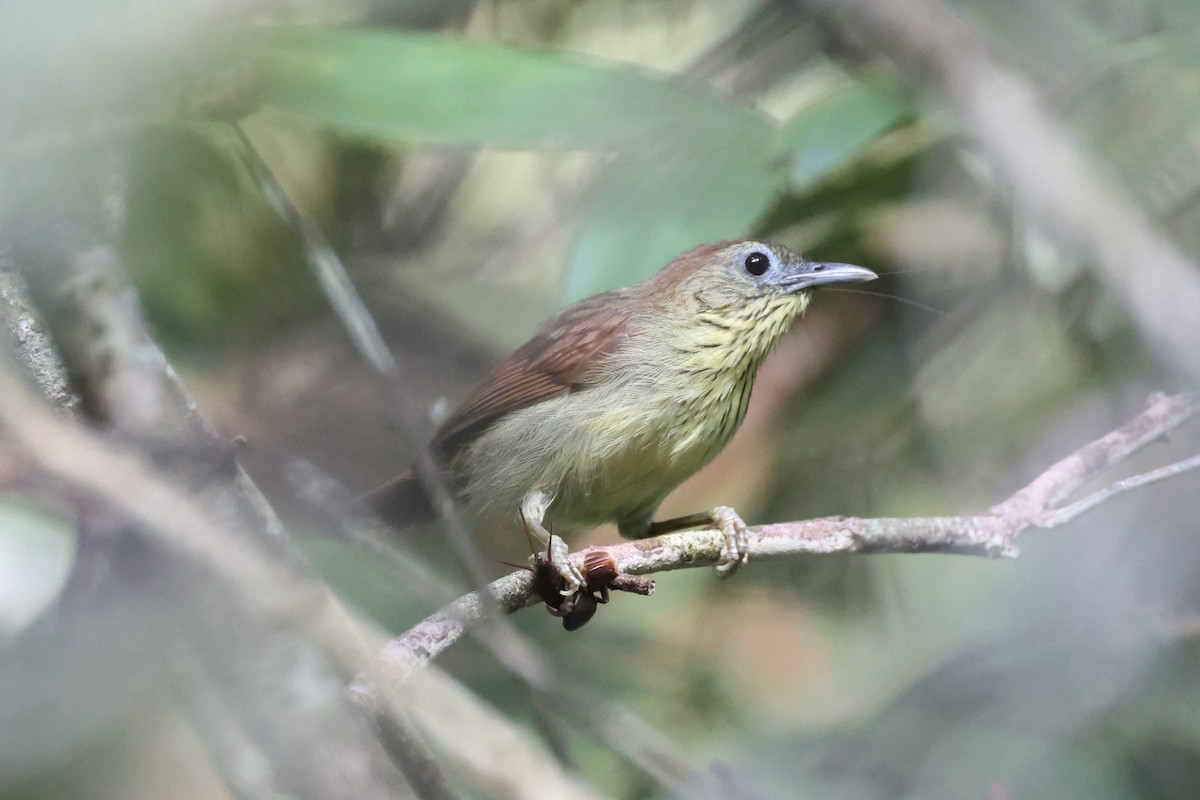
{"points": [[736, 550], [600, 574], [558, 554], [533, 511]]}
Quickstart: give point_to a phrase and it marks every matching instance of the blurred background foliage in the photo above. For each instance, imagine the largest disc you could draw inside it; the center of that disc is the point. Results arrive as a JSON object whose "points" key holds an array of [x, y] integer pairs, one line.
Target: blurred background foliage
{"points": [[479, 163]]}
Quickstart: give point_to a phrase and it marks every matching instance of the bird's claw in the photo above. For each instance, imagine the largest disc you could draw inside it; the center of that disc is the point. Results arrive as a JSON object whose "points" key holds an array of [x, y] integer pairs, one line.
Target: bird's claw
{"points": [[736, 550], [532, 512], [559, 557]]}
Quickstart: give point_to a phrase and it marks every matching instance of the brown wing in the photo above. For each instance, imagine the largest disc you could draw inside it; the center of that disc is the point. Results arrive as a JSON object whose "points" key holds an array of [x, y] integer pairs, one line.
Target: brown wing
{"points": [[566, 354]]}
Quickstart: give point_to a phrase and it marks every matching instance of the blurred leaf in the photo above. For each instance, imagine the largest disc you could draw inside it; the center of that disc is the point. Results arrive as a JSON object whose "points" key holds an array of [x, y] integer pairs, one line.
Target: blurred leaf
{"points": [[35, 557], [450, 90], [365, 582], [1145, 120], [85, 73], [202, 244], [833, 131], [716, 183], [1166, 706], [649, 206], [1053, 43], [1012, 718], [997, 378], [500, 317], [690, 168], [1165, 769]]}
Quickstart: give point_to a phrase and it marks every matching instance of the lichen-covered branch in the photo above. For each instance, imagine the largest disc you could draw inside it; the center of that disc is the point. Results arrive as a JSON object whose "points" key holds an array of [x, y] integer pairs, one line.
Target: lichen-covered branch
{"points": [[31, 342], [992, 533]]}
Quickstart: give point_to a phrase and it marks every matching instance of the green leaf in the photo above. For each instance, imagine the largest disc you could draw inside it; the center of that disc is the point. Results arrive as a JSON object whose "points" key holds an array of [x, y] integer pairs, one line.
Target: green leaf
{"points": [[449, 90], [716, 182], [690, 167], [649, 206], [836, 129]]}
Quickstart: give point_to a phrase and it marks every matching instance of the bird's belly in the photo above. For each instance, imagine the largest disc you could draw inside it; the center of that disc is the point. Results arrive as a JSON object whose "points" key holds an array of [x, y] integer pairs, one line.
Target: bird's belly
{"points": [[610, 458]]}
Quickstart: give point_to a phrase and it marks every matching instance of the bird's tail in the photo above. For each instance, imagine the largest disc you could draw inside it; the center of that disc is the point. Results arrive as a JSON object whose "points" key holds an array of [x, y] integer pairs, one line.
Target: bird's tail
{"points": [[402, 501]]}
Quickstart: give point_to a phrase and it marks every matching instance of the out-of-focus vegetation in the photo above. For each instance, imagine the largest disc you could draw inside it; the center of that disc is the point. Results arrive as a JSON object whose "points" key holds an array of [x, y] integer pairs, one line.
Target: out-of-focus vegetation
{"points": [[477, 164]]}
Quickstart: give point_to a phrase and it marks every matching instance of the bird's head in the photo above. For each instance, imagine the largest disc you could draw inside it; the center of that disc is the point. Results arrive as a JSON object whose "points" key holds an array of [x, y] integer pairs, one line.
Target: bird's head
{"points": [[727, 276]]}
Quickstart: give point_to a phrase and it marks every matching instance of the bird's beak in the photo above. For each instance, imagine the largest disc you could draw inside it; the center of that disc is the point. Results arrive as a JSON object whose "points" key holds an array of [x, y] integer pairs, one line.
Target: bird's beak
{"points": [[824, 273]]}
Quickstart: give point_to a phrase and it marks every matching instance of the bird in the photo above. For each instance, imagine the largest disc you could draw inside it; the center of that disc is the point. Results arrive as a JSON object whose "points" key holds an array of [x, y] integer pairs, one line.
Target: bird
{"points": [[618, 399]]}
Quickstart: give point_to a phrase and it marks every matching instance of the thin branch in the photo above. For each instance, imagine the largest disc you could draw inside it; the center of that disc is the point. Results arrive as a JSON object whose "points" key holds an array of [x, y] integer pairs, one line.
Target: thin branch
{"points": [[1162, 413], [347, 303], [125, 379], [990, 534], [398, 736], [352, 312], [1066, 514]]}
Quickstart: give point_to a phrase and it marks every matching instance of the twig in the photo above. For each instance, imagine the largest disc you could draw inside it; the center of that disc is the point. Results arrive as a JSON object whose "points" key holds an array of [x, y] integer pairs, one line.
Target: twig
{"points": [[398, 736], [1162, 413], [1063, 515], [1048, 175], [990, 534], [364, 334], [334, 281]]}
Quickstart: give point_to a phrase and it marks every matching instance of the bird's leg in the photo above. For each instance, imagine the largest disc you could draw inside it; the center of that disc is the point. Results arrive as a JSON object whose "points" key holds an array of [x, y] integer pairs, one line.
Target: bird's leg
{"points": [[533, 512], [736, 550]]}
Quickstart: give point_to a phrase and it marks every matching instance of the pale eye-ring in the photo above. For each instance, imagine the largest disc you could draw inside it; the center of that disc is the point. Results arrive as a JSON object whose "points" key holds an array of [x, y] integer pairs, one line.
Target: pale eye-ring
{"points": [[757, 263]]}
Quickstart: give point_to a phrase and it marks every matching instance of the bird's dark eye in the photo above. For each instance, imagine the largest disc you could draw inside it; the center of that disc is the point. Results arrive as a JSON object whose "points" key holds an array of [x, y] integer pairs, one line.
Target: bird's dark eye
{"points": [[757, 263]]}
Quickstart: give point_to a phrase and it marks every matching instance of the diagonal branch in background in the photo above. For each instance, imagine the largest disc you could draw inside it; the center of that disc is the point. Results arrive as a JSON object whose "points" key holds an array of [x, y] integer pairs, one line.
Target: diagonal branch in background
{"points": [[267, 590], [506, 644], [989, 534], [68, 251], [1047, 174]]}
